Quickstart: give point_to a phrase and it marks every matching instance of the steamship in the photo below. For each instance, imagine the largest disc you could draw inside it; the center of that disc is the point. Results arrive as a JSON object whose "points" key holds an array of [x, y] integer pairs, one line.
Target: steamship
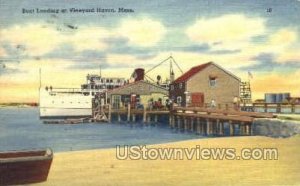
{"points": [[74, 102], [71, 103]]}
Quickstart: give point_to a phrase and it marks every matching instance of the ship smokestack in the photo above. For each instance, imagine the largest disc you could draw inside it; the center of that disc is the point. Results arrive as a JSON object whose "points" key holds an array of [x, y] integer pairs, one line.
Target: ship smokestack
{"points": [[138, 74]]}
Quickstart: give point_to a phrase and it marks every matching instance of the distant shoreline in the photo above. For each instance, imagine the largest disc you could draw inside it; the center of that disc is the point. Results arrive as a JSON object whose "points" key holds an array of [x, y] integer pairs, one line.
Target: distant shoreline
{"points": [[19, 105]]}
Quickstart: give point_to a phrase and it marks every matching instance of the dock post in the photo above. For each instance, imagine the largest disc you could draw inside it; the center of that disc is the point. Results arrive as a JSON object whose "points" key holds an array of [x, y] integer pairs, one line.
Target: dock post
{"points": [[128, 112], [208, 127], [148, 118], [247, 129], [170, 121], [109, 113], [155, 118], [198, 126], [221, 131], [173, 121], [185, 123], [241, 128], [217, 126], [203, 127], [231, 128], [192, 125], [179, 122], [144, 115], [133, 117], [119, 118], [250, 128]]}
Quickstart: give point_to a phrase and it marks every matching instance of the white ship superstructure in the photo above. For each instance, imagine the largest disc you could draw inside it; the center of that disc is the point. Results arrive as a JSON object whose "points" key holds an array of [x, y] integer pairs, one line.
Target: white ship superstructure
{"points": [[72, 102]]}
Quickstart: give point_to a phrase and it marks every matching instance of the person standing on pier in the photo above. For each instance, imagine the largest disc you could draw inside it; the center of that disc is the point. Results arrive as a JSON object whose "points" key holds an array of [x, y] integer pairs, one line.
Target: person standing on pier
{"points": [[213, 103], [236, 103]]}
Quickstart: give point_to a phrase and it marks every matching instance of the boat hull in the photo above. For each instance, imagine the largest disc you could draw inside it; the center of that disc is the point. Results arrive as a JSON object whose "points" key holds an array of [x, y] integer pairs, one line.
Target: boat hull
{"points": [[48, 113], [24, 167], [64, 104]]}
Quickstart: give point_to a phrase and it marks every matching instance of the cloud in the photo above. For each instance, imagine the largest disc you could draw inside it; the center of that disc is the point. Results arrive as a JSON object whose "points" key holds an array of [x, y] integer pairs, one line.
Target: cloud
{"points": [[284, 83], [282, 44], [283, 37], [38, 40], [290, 56], [225, 29], [88, 38], [240, 37], [3, 53], [9, 70], [123, 60], [142, 32]]}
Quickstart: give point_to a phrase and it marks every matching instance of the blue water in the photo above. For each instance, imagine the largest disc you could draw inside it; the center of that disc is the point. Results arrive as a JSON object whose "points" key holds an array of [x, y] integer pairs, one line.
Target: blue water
{"points": [[20, 128]]}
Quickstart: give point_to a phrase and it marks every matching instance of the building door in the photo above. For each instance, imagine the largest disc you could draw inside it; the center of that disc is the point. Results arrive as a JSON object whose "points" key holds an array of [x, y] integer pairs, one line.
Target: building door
{"points": [[197, 99], [116, 100], [133, 101]]}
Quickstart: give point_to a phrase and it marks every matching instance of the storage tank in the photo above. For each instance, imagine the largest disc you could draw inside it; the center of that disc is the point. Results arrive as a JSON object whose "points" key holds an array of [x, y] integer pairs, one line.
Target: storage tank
{"points": [[270, 98], [285, 96], [278, 98]]}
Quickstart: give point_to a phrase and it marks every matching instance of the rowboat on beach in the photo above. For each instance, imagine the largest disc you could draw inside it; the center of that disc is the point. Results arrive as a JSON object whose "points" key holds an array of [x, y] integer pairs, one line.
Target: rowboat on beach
{"points": [[25, 167]]}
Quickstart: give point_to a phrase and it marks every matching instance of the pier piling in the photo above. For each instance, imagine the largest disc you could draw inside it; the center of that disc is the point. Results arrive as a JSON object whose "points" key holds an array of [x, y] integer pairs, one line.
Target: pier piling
{"points": [[231, 128], [109, 113], [128, 113], [144, 115]]}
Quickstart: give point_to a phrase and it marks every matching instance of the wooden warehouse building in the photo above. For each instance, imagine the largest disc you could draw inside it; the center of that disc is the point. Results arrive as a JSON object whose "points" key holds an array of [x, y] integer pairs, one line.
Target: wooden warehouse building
{"points": [[138, 94], [206, 84]]}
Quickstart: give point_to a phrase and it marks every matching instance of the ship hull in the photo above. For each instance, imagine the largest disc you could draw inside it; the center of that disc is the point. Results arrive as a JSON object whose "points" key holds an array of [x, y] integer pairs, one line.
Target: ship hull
{"points": [[56, 113], [59, 104]]}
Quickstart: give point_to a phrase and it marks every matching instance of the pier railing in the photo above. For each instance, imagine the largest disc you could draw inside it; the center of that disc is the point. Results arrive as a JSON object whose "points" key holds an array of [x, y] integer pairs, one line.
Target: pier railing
{"points": [[212, 111], [286, 108]]}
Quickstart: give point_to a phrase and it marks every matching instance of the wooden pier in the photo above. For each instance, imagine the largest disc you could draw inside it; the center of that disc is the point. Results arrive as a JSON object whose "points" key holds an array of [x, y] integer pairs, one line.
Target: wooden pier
{"points": [[211, 121], [131, 114], [203, 121]]}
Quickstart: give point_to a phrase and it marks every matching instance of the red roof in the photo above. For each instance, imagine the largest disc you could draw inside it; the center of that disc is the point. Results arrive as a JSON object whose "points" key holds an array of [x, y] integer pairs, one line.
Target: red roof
{"points": [[191, 72]]}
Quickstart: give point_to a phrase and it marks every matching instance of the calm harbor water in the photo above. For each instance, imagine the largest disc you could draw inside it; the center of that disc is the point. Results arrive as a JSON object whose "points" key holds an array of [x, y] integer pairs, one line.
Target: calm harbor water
{"points": [[20, 128]]}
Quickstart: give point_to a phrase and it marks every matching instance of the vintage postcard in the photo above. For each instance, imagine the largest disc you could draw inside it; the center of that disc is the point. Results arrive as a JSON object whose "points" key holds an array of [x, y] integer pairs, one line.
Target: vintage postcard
{"points": [[140, 92]]}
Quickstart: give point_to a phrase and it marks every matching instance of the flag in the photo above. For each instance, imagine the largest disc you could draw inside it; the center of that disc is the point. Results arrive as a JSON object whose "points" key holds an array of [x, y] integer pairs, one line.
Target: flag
{"points": [[250, 75]]}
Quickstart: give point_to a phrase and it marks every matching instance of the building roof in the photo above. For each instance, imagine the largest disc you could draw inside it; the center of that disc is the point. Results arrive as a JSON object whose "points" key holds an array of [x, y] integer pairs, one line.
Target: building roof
{"points": [[187, 75], [136, 83], [193, 71]]}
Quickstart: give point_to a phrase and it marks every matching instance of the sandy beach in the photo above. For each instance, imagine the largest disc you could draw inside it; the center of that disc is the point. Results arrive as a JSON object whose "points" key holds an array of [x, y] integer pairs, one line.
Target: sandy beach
{"points": [[101, 167]]}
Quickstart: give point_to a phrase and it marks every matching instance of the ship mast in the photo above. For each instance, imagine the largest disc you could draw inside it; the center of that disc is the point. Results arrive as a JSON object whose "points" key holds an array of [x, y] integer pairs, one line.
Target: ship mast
{"points": [[171, 61], [100, 71]]}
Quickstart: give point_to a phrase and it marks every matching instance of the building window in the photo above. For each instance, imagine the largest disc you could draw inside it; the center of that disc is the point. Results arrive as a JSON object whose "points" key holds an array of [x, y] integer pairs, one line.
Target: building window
{"points": [[172, 87], [179, 100], [180, 85], [212, 81]]}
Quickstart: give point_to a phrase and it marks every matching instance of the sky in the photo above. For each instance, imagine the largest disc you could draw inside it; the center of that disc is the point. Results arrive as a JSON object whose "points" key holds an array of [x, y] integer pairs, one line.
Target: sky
{"points": [[260, 37]]}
